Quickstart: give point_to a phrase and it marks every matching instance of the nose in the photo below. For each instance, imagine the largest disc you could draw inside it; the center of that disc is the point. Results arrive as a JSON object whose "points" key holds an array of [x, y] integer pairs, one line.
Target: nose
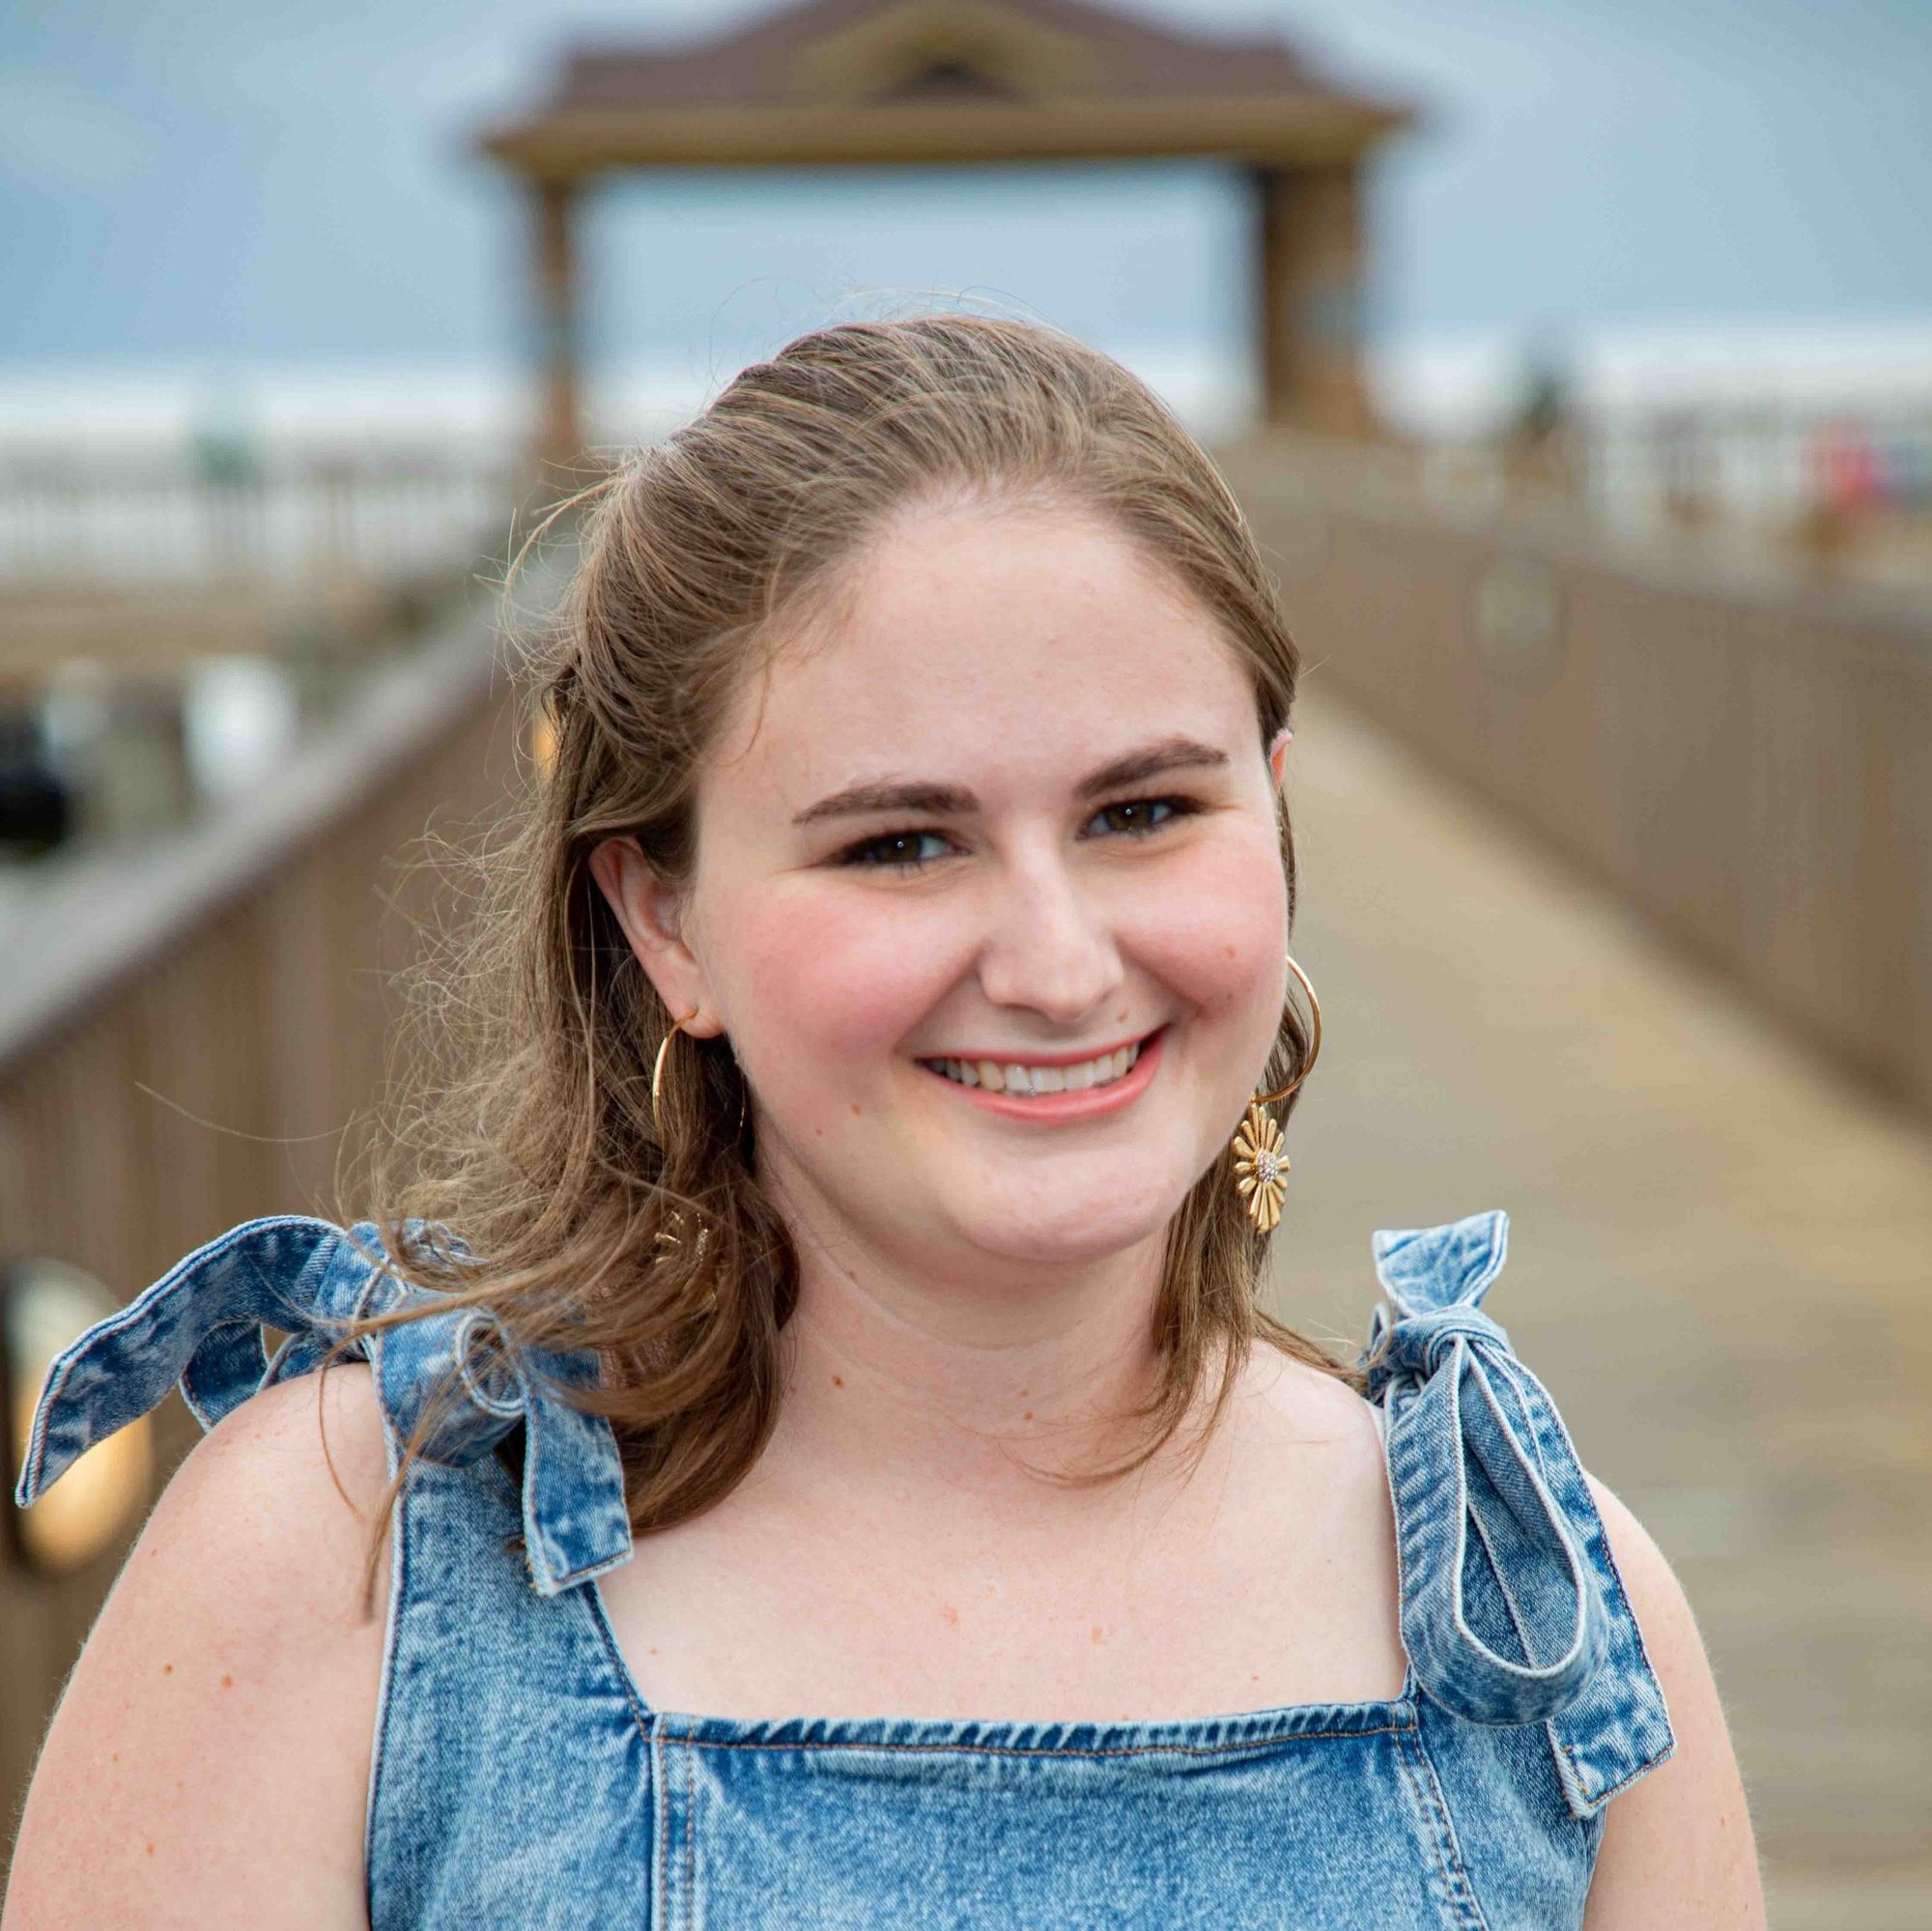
{"points": [[1050, 948]]}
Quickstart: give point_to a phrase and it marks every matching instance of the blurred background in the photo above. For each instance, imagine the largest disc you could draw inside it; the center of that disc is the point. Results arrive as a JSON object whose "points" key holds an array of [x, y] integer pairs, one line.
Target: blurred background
{"points": [[1574, 362]]}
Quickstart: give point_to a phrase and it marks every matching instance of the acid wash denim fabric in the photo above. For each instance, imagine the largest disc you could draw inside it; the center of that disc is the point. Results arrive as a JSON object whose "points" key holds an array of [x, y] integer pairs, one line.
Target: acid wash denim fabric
{"points": [[519, 1779]]}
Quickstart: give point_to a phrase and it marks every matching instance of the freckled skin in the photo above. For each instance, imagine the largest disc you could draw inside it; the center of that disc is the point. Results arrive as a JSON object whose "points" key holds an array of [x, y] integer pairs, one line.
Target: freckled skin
{"points": [[945, 1247], [1011, 656]]}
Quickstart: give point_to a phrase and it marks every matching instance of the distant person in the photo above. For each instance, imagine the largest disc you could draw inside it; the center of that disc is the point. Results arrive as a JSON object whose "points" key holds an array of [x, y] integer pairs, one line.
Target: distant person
{"points": [[847, 1476], [227, 465], [1537, 435], [1847, 466]]}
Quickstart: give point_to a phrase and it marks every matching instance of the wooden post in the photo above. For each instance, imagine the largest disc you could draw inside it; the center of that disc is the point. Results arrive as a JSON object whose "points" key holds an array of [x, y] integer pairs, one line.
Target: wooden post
{"points": [[560, 427], [1309, 320]]}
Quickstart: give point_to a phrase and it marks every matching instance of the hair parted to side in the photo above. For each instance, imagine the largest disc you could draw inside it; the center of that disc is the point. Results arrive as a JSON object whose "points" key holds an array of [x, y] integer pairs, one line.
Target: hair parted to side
{"points": [[528, 1129]]}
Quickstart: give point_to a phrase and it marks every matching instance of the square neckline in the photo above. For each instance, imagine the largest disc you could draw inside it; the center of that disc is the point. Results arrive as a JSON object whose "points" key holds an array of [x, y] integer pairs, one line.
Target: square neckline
{"points": [[1182, 1738], [1178, 1737]]}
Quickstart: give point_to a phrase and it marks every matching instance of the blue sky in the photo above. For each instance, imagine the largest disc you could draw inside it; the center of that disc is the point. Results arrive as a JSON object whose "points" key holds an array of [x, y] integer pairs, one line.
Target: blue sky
{"points": [[229, 181]]}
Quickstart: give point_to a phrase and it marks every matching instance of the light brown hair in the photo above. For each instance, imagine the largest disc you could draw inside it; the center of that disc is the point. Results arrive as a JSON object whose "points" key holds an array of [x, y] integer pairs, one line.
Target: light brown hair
{"points": [[526, 1124]]}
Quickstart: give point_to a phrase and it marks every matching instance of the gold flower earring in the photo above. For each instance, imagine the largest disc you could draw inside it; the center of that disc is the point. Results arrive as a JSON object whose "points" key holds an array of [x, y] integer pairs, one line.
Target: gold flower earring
{"points": [[1261, 1167]]}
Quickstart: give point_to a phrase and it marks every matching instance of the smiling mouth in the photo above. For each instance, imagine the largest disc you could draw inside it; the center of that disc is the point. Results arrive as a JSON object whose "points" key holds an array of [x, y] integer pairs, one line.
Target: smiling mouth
{"points": [[1021, 1081]]}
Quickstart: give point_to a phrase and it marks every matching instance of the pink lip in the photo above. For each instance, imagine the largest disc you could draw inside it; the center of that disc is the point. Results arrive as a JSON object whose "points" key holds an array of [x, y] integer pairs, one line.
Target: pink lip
{"points": [[1061, 1108], [1044, 1059]]}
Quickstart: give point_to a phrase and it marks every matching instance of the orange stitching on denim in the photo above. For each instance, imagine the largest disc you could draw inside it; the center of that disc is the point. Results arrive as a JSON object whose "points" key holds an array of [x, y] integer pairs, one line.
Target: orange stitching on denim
{"points": [[690, 1832], [1448, 1848], [1427, 1827], [1598, 1798], [1014, 1751], [623, 1675], [400, 1570], [663, 1827]]}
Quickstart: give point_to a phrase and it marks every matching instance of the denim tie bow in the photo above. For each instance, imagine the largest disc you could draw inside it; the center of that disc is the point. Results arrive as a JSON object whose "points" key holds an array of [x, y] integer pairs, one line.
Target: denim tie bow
{"points": [[1512, 1611], [1417, 1345], [201, 1324]]}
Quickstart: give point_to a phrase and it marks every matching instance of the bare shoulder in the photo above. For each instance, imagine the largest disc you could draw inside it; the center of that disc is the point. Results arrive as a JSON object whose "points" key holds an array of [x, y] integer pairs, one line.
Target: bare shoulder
{"points": [[1293, 1408], [1677, 1847], [1302, 1390], [225, 1700]]}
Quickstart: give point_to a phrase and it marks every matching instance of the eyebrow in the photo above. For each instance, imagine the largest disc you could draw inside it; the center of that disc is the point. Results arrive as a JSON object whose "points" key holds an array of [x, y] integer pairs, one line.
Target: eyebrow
{"points": [[952, 801]]}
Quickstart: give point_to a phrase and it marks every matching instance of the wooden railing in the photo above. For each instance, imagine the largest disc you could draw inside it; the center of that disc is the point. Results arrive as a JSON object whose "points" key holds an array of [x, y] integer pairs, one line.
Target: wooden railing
{"points": [[185, 1035], [1747, 761], [188, 1032], [1762, 463], [286, 512]]}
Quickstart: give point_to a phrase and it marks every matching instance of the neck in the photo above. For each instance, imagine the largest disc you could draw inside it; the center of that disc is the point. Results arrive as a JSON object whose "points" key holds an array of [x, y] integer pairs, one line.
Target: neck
{"points": [[913, 1380]]}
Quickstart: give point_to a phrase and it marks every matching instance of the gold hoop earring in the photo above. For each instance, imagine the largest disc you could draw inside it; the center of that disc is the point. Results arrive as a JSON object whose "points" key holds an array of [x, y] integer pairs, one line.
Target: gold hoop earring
{"points": [[1261, 1166], [677, 1026], [669, 1233]]}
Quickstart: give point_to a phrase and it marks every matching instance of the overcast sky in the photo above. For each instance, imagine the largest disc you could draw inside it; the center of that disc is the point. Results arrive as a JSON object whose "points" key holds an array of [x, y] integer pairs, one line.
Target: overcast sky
{"points": [[191, 183]]}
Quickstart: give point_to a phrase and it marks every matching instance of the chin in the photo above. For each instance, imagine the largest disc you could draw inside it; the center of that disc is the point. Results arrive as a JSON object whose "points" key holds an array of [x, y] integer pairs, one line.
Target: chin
{"points": [[1073, 1230]]}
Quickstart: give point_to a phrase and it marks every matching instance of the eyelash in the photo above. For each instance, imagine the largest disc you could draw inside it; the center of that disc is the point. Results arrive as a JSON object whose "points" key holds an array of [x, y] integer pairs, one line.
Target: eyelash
{"points": [[855, 855]]}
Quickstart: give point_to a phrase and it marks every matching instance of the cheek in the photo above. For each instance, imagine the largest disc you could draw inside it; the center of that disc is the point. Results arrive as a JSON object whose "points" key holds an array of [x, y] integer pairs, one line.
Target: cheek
{"points": [[825, 981], [1216, 929]]}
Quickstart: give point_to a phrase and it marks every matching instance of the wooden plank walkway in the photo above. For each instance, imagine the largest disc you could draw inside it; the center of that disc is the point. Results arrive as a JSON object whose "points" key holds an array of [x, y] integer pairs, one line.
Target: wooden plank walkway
{"points": [[1719, 1258]]}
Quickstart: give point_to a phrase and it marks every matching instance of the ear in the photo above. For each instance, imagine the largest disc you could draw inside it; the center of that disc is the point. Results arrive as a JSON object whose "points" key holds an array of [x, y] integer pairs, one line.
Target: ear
{"points": [[652, 915], [1278, 753]]}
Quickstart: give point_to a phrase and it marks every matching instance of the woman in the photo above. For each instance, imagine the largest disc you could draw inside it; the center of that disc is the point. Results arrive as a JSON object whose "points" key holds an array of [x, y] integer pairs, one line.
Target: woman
{"points": [[838, 1207]]}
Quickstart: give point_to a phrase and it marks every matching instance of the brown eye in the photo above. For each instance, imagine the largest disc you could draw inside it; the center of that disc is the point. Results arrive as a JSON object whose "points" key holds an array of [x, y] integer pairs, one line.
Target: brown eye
{"points": [[894, 851], [1135, 817]]}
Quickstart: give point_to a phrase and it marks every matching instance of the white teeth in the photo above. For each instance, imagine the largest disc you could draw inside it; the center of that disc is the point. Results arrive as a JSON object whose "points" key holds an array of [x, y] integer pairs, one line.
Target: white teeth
{"points": [[1008, 1076]]}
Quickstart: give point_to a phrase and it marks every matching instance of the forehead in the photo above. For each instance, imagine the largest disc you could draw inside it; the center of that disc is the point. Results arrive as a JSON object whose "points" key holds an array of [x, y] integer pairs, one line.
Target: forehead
{"points": [[1015, 639]]}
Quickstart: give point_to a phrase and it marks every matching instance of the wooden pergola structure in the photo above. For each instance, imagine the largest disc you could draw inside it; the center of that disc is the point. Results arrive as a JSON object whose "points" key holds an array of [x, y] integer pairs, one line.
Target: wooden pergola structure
{"points": [[857, 82]]}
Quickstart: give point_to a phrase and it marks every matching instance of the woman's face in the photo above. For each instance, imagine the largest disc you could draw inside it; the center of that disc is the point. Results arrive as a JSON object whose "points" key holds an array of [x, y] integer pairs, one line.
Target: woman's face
{"points": [[1009, 809]]}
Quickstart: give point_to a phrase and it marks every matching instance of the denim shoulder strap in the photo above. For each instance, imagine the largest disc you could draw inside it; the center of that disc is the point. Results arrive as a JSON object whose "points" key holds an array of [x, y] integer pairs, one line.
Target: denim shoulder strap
{"points": [[201, 1324], [1512, 1609]]}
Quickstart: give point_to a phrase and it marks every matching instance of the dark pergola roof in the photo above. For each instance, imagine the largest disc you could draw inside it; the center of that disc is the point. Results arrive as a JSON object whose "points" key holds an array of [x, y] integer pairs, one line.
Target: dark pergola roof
{"points": [[893, 82], [858, 80]]}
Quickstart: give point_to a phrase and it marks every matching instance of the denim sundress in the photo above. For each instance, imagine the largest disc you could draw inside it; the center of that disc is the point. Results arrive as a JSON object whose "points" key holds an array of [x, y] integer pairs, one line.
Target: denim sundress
{"points": [[519, 1779]]}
